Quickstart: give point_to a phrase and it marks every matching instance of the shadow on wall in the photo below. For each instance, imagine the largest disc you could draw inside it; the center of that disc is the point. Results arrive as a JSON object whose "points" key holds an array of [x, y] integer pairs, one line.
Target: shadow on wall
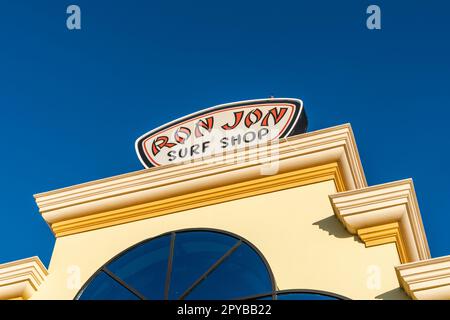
{"points": [[335, 228], [395, 294]]}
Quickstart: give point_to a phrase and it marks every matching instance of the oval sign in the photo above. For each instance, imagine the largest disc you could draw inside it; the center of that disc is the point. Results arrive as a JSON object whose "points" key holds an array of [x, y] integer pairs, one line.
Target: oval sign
{"points": [[221, 129]]}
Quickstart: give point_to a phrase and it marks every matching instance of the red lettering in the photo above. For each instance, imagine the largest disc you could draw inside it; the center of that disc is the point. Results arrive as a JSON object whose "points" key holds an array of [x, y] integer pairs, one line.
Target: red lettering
{"points": [[160, 143], [277, 116], [182, 134], [208, 125], [248, 120], [237, 119]]}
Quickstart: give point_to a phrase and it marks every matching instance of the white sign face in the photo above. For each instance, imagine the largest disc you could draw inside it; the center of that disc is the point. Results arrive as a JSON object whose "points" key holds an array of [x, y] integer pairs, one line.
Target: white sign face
{"points": [[221, 129]]}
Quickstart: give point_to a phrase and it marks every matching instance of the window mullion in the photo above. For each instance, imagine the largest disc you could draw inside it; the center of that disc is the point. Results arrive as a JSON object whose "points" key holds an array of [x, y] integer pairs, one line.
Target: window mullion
{"points": [[123, 284], [169, 267], [211, 269]]}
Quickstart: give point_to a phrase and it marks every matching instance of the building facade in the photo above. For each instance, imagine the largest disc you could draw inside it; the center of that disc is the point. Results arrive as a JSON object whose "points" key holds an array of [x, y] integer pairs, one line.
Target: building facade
{"points": [[295, 219]]}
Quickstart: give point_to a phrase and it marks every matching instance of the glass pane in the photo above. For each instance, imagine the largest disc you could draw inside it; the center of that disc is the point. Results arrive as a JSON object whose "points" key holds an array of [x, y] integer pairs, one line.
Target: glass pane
{"points": [[145, 267], [103, 287], [303, 296], [265, 298], [194, 254], [242, 274]]}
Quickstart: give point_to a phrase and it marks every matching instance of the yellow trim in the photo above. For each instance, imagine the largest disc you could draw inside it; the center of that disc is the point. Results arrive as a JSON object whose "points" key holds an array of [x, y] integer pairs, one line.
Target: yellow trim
{"points": [[385, 213], [241, 190], [426, 279], [21, 278], [382, 234]]}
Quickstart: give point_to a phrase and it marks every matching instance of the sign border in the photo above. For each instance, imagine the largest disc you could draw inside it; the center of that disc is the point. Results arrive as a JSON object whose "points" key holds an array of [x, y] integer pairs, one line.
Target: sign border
{"points": [[297, 125]]}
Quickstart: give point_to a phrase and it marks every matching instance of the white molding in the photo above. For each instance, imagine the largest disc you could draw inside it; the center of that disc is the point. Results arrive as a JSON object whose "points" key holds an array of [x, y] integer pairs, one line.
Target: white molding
{"points": [[335, 144], [426, 280], [20, 279], [381, 205]]}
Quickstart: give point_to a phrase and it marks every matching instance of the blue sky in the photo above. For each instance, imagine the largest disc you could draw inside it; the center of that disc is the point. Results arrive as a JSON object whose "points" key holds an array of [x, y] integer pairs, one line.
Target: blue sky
{"points": [[73, 102]]}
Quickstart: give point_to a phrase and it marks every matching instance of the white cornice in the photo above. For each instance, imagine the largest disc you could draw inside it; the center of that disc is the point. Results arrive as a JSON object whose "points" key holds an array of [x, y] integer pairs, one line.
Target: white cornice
{"points": [[321, 147], [385, 213], [426, 280], [20, 279]]}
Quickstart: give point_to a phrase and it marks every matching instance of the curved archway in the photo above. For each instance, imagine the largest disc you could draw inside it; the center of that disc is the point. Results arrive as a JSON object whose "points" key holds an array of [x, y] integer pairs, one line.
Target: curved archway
{"points": [[184, 264]]}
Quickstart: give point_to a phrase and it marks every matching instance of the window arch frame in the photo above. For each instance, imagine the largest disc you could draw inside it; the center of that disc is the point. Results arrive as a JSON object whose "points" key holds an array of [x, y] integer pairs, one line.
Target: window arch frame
{"points": [[238, 238], [296, 291]]}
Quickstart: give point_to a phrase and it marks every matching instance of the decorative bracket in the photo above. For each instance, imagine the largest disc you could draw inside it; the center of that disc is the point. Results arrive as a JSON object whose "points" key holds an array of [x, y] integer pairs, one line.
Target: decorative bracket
{"points": [[387, 213], [20, 279], [426, 280]]}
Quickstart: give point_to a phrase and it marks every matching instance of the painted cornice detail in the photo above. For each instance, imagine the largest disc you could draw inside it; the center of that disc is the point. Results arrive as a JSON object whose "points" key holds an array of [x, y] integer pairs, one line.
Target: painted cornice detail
{"points": [[329, 172], [20, 279], [387, 213], [103, 203], [386, 233], [426, 280]]}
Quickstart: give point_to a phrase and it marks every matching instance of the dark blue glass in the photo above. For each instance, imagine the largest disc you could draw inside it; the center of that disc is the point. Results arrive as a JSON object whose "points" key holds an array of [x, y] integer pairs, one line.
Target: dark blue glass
{"points": [[144, 267], [194, 254], [103, 287], [242, 274], [304, 296], [299, 296]]}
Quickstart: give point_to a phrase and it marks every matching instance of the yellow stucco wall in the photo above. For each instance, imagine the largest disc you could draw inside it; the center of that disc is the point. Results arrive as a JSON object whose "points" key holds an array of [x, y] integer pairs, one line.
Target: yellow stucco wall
{"points": [[295, 229]]}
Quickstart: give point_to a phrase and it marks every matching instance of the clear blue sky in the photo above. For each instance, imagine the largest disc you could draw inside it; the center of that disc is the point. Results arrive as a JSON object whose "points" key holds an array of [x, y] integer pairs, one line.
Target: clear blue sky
{"points": [[73, 102]]}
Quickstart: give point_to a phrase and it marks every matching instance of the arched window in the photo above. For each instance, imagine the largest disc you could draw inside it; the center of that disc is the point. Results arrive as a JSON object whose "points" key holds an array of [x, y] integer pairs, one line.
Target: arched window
{"points": [[197, 264]]}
